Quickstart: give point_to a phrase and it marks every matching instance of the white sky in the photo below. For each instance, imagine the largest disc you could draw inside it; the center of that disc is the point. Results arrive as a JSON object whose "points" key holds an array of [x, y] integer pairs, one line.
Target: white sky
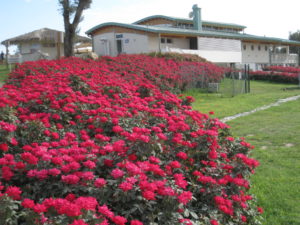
{"points": [[261, 17]]}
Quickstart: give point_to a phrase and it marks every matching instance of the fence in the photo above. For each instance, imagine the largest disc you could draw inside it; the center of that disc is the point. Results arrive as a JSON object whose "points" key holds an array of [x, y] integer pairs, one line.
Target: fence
{"points": [[235, 82]]}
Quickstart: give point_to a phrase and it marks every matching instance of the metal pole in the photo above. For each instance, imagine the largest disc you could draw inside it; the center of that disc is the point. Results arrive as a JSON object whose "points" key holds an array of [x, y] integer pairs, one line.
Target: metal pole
{"points": [[245, 78], [248, 76]]}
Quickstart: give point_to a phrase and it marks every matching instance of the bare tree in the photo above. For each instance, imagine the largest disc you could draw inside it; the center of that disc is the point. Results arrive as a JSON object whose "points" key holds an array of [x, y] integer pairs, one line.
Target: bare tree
{"points": [[72, 9]]}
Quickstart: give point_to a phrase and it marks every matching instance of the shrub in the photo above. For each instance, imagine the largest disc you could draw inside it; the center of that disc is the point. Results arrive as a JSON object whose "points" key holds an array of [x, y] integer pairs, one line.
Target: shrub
{"points": [[279, 74], [178, 57], [106, 142]]}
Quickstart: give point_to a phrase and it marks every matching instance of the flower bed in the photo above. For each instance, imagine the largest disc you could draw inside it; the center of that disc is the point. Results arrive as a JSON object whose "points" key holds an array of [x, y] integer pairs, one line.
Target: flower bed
{"points": [[106, 142], [277, 74]]}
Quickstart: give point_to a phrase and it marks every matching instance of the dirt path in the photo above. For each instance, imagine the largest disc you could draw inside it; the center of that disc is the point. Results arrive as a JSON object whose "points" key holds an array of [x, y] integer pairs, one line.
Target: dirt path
{"points": [[279, 102]]}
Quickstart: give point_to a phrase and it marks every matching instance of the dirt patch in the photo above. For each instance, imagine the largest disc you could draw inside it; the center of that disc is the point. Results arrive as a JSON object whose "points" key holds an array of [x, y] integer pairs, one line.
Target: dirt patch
{"points": [[289, 145]]}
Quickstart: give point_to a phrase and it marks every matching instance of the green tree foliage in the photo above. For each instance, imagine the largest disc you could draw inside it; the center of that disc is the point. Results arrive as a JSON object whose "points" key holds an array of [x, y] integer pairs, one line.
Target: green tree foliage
{"points": [[295, 37]]}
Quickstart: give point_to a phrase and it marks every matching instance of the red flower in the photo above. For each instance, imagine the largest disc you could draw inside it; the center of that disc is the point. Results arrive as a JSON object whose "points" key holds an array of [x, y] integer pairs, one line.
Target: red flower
{"points": [[70, 179], [117, 173], [7, 174], [244, 218], [125, 186], [185, 197], [4, 147], [28, 203], [119, 220], [78, 222], [149, 195], [39, 208], [100, 182], [214, 222], [260, 210], [14, 192], [136, 222]]}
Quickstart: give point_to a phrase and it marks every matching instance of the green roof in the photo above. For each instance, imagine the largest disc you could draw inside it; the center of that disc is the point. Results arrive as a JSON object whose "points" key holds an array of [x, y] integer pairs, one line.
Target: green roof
{"points": [[185, 20], [191, 32]]}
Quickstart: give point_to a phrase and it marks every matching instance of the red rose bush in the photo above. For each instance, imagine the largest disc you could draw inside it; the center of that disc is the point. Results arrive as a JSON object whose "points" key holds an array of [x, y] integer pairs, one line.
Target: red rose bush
{"points": [[281, 74], [107, 142]]}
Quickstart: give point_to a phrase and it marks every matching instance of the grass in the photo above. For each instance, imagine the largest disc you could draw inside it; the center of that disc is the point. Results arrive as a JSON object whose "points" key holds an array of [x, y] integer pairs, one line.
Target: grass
{"points": [[276, 184], [275, 133], [262, 93], [3, 73]]}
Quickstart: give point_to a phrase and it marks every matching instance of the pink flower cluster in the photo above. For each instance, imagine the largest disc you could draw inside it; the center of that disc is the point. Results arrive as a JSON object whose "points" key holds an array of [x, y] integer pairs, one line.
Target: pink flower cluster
{"points": [[107, 142]]}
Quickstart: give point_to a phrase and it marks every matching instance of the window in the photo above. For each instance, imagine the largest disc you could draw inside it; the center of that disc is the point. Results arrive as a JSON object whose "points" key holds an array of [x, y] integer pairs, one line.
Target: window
{"points": [[252, 47], [49, 45], [169, 40], [258, 48], [245, 47], [166, 40]]}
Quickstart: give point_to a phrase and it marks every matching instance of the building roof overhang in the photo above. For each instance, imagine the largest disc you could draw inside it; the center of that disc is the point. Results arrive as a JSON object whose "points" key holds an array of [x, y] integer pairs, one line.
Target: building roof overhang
{"points": [[185, 20], [42, 35], [195, 33]]}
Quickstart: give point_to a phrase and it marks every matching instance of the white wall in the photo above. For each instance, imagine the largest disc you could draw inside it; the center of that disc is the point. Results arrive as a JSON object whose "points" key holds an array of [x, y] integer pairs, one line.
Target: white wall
{"points": [[134, 43], [104, 44], [221, 56], [153, 43], [255, 55], [131, 43], [182, 43], [52, 51], [220, 50]]}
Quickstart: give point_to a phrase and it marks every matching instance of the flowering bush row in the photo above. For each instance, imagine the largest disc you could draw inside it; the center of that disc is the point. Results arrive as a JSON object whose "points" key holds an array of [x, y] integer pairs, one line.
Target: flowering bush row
{"points": [[179, 73], [277, 74], [178, 57], [106, 142], [288, 69]]}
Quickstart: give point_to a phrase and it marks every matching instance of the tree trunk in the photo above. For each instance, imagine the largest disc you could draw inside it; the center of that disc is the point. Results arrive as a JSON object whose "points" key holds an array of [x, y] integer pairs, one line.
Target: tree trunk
{"points": [[69, 41], [70, 28]]}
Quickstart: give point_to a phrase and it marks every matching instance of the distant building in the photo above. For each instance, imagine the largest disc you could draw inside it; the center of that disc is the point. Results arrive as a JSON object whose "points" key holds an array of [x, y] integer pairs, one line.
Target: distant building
{"points": [[44, 43], [224, 43]]}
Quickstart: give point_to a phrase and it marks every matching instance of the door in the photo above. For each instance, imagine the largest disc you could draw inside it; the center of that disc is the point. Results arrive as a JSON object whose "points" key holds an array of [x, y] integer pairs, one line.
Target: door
{"points": [[119, 46]]}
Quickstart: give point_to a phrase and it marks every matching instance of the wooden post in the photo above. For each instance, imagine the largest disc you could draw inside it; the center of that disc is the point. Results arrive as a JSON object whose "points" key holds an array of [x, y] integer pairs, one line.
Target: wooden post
{"points": [[7, 51], [58, 44], [159, 43]]}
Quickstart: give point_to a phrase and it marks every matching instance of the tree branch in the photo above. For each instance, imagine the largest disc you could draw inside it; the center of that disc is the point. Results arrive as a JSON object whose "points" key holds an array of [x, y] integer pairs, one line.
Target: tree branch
{"points": [[83, 4]]}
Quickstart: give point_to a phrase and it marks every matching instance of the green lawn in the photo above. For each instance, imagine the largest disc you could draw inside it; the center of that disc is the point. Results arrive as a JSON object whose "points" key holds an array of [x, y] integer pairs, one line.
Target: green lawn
{"points": [[3, 73], [275, 133], [262, 93]]}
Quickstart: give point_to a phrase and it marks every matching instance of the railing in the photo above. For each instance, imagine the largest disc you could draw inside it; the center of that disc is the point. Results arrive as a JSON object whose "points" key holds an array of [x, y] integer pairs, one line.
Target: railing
{"points": [[182, 51], [284, 58]]}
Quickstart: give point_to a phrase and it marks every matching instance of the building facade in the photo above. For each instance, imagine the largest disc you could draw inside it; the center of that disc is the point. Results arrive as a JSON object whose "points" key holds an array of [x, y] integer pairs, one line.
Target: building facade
{"points": [[223, 43], [44, 43]]}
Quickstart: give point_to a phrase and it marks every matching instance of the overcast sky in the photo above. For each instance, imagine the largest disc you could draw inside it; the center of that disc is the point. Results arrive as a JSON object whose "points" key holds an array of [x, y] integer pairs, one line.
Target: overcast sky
{"points": [[261, 17]]}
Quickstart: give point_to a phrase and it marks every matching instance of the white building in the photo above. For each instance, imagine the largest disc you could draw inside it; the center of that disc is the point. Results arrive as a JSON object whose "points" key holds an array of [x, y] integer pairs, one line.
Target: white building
{"points": [[44, 43], [217, 42]]}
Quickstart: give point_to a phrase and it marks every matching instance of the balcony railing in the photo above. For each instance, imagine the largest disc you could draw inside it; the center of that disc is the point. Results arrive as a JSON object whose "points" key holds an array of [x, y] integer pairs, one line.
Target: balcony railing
{"points": [[282, 58]]}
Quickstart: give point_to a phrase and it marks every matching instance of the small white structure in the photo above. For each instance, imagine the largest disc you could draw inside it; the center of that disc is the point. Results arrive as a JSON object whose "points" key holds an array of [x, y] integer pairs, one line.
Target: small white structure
{"points": [[217, 42], [44, 43]]}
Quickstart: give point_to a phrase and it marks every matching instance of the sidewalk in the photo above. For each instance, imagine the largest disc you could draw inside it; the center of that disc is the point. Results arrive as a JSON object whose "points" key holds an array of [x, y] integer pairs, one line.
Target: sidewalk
{"points": [[279, 102]]}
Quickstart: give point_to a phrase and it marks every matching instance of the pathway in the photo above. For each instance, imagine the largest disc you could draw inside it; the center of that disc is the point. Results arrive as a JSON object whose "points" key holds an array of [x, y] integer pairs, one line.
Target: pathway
{"points": [[279, 102]]}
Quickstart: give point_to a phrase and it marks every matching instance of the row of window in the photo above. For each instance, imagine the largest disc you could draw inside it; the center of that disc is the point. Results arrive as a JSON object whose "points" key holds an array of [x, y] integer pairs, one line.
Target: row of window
{"points": [[166, 41], [258, 47]]}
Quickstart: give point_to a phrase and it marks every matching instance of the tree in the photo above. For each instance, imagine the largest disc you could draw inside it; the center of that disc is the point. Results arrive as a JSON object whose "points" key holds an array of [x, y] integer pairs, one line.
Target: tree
{"points": [[295, 37], [72, 9]]}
